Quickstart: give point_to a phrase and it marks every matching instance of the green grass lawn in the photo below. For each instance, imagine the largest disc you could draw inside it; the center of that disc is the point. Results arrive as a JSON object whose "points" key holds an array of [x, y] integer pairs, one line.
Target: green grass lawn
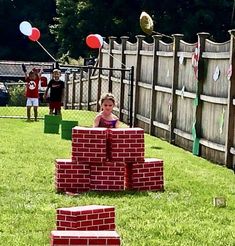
{"points": [[181, 215], [84, 117]]}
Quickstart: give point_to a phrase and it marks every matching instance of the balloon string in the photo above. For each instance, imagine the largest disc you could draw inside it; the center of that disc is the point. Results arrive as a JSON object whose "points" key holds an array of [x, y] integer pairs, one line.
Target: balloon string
{"points": [[46, 50], [117, 59], [164, 35]]}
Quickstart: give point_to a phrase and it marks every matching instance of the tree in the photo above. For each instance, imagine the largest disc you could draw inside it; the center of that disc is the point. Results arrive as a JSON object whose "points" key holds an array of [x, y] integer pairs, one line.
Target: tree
{"points": [[77, 19], [69, 22], [16, 46]]}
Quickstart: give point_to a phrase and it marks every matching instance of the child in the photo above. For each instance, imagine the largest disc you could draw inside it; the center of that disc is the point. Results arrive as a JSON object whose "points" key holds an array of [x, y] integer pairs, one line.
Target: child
{"points": [[32, 93], [56, 93], [106, 118]]}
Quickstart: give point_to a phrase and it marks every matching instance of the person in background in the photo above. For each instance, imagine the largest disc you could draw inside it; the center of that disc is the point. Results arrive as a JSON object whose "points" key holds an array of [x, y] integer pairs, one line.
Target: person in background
{"points": [[106, 118], [56, 86], [32, 91]]}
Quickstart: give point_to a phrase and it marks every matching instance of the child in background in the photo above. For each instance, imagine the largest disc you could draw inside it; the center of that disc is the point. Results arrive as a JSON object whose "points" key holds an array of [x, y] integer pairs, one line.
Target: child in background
{"points": [[56, 87], [32, 93], [106, 118]]}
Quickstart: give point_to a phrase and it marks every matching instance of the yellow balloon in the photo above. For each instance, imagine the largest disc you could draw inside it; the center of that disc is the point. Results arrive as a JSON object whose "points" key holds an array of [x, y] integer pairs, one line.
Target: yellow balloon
{"points": [[146, 23]]}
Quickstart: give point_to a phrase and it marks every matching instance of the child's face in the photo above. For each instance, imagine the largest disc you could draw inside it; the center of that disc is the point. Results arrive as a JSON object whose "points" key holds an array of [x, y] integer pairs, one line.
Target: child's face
{"points": [[56, 75], [107, 106], [32, 76]]}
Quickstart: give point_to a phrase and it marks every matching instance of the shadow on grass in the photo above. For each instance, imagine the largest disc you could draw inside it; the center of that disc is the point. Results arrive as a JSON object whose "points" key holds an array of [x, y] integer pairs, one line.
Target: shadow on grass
{"points": [[111, 194], [155, 147], [116, 194]]}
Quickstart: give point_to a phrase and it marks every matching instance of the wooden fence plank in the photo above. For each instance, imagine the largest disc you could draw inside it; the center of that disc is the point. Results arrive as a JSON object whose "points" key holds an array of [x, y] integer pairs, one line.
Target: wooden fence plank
{"points": [[154, 80], [172, 123], [123, 61], [137, 75], [229, 139]]}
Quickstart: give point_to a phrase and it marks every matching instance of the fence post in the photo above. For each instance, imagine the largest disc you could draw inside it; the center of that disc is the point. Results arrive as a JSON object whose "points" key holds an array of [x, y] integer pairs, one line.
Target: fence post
{"points": [[89, 88], [81, 89], [176, 46], [137, 75], [197, 126], [229, 141], [123, 60], [100, 62], [73, 90], [131, 96], [111, 42], [66, 90], [156, 39]]}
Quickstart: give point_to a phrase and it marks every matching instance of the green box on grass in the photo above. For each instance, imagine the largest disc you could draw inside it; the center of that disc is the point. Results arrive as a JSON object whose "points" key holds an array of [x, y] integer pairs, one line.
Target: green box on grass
{"points": [[52, 124], [66, 128]]}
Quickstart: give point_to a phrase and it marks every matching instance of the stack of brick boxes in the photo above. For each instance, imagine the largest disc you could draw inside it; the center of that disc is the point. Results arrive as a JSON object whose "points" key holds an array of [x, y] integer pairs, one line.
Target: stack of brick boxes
{"points": [[108, 160]]}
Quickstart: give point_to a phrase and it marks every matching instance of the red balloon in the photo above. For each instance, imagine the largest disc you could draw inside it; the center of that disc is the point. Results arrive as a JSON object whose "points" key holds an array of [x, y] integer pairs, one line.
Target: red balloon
{"points": [[94, 41], [35, 34]]}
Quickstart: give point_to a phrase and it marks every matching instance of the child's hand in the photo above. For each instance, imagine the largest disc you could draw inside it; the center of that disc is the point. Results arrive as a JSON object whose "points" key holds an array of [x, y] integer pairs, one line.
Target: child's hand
{"points": [[24, 68]]}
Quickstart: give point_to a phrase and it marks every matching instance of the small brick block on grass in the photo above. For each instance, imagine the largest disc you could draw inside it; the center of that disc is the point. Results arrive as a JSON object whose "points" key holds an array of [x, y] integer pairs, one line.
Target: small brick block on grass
{"points": [[91, 217], [85, 238]]}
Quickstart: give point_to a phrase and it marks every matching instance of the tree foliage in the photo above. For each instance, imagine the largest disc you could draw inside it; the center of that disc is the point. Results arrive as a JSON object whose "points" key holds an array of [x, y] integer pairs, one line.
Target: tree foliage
{"points": [[77, 19], [65, 24], [16, 46]]}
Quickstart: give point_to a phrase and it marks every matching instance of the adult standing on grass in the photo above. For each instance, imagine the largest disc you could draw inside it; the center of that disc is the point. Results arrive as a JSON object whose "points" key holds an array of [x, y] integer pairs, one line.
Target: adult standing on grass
{"points": [[32, 94], [56, 86]]}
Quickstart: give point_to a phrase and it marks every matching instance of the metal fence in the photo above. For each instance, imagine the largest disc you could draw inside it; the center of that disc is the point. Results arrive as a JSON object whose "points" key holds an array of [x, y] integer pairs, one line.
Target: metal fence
{"points": [[12, 87], [85, 85], [83, 88]]}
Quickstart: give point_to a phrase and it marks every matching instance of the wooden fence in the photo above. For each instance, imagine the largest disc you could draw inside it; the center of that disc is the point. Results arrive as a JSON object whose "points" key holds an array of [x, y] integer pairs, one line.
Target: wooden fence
{"points": [[84, 86], [192, 105]]}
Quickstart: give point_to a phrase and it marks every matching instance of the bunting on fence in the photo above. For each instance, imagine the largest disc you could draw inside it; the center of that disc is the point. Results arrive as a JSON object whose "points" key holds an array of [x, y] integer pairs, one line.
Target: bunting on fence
{"points": [[182, 92], [229, 72], [221, 122], [168, 73], [196, 101], [195, 60], [195, 64], [196, 140], [181, 59], [170, 111], [216, 73]]}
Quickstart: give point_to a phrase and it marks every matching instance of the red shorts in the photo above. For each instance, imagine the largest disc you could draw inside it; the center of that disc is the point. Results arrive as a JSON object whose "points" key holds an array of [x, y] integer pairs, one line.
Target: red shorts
{"points": [[55, 105]]}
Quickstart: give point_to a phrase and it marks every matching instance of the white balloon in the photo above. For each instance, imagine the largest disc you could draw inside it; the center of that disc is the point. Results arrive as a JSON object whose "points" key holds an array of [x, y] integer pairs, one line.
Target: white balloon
{"points": [[26, 28], [100, 38]]}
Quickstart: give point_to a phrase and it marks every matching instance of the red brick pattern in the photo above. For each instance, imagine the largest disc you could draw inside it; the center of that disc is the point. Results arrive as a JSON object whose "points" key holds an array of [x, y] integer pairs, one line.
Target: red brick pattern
{"points": [[127, 145], [84, 238], [128, 176], [147, 175], [108, 160], [107, 177], [92, 217], [89, 144], [71, 176]]}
